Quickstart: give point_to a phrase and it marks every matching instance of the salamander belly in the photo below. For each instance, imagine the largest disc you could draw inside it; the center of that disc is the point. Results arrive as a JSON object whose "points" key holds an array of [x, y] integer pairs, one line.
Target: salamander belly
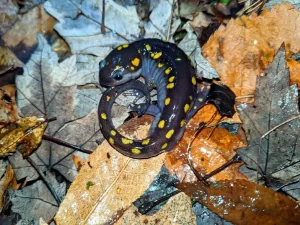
{"points": [[163, 66]]}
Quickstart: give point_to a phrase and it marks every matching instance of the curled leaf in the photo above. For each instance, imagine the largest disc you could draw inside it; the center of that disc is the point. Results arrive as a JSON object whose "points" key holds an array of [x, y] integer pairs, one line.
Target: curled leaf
{"points": [[27, 131]]}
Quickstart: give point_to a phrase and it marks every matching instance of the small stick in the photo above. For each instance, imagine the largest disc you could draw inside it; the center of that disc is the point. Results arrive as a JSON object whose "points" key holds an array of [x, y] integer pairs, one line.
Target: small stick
{"points": [[63, 143], [103, 18], [44, 178]]}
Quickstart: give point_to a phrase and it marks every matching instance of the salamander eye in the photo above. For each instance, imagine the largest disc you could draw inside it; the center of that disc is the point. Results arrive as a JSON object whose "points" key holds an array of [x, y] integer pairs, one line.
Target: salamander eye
{"points": [[101, 64], [118, 75]]}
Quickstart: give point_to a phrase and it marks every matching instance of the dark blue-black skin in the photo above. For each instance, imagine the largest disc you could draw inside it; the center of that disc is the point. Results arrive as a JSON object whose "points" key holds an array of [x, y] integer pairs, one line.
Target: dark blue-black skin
{"points": [[165, 67]]}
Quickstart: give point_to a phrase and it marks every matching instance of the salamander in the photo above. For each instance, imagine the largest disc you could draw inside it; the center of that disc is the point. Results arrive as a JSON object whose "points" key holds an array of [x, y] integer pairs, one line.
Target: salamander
{"points": [[163, 66]]}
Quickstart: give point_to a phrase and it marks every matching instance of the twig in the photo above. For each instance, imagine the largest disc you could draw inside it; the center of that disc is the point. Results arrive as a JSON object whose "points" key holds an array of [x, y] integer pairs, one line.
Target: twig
{"points": [[244, 96], [170, 21], [103, 18], [279, 125], [44, 178], [63, 143]]}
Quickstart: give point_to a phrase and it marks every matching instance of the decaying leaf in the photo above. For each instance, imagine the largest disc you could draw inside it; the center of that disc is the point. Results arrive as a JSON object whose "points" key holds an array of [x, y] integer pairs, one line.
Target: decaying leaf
{"points": [[8, 60], [27, 131], [178, 210], [4, 183], [113, 180], [243, 49], [245, 203], [8, 107], [277, 155], [210, 149]]}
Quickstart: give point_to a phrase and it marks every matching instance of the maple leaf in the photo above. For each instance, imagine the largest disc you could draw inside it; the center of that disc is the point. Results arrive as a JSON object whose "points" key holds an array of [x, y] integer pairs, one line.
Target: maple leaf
{"points": [[277, 155]]}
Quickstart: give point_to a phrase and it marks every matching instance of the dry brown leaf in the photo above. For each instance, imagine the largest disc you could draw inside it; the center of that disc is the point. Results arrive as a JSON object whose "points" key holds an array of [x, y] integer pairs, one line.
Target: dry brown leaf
{"points": [[8, 107], [27, 131], [24, 33], [8, 60], [4, 183], [109, 182], [178, 210], [206, 154], [245, 203], [245, 47]]}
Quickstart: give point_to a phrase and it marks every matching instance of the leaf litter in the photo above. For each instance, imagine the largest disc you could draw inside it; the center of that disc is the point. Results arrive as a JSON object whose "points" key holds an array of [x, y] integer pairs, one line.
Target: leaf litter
{"points": [[79, 45]]}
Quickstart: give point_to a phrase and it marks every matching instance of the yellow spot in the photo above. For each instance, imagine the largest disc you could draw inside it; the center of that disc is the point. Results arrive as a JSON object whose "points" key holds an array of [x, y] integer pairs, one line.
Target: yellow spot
{"points": [[171, 79], [182, 122], [168, 70], [139, 51], [111, 141], [139, 106], [178, 59], [125, 45], [195, 107], [135, 62], [132, 68], [119, 48], [145, 142], [160, 65], [152, 54], [194, 81], [148, 47], [113, 132], [167, 101], [157, 55], [107, 98], [118, 190], [161, 124], [191, 97], [117, 67], [170, 85], [169, 134], [135, 151], [164, 145], [200, 99], [103, 116], [186, 108], [126, 141]]}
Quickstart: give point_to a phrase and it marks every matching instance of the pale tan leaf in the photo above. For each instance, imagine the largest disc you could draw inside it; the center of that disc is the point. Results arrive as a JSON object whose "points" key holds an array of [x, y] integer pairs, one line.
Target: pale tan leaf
{"points": [[108, 182]]}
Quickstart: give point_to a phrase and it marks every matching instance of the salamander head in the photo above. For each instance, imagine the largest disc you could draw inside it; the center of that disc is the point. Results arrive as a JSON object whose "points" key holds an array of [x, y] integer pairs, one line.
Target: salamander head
{"points": [[121, 65]]}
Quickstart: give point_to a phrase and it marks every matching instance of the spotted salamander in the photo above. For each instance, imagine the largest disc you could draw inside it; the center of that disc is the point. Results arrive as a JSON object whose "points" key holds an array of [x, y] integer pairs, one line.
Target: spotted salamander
{"points": [[163, 66]]}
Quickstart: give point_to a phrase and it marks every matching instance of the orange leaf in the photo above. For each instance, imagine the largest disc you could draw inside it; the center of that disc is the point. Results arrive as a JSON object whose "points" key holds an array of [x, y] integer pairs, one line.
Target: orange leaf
{"points": [[245, 47], [210, 149]]}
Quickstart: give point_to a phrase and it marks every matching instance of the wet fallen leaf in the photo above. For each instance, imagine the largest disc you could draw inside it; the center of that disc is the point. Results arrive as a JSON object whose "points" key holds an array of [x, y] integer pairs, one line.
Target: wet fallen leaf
{"points": [[277, 155], [210, 149], [8, 107], [116, 181], [244, 48], [4, 184], [27, 131], [8, 60], [245, 203]]}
